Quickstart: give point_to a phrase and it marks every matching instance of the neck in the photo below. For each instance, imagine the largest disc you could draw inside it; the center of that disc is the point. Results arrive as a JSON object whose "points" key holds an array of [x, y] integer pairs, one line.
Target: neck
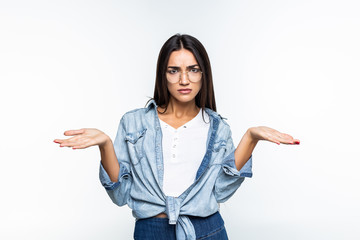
{"points": [[181, 109]]}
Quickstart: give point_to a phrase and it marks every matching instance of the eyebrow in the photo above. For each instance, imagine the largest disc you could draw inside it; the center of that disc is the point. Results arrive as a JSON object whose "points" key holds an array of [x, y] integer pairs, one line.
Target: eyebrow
{"points": [[191, 66]]}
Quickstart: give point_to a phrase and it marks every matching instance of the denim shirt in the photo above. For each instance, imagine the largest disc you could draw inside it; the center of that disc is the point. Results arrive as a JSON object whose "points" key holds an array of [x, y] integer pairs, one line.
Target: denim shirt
{"points": [[138, 147]]}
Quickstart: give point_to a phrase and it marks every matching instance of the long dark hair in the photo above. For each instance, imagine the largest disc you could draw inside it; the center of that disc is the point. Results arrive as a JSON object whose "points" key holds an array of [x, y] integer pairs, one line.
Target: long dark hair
{"points": [[206, 96]]}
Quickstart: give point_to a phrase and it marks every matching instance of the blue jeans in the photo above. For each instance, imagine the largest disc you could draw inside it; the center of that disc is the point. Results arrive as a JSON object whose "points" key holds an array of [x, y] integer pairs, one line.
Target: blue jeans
{"points": [[206, 228]]}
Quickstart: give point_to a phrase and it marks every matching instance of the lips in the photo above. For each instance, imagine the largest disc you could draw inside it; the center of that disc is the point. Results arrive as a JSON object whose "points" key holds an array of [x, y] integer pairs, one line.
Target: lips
{"points": [[185, 90]]}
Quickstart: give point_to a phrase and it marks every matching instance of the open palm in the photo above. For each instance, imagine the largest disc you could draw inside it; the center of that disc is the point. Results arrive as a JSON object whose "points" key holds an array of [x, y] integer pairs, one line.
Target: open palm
{"points": [[83, 138], [272, 135]]}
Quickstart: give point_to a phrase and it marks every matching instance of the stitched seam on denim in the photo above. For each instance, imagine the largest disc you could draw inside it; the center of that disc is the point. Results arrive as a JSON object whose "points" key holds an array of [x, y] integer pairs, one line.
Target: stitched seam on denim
{"points": [[212, 233], [113, 186]]}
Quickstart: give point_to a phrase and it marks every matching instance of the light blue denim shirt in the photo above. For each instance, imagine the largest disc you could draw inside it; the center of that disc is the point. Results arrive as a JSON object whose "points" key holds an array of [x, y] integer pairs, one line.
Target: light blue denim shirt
{"points": [[138, 147]]}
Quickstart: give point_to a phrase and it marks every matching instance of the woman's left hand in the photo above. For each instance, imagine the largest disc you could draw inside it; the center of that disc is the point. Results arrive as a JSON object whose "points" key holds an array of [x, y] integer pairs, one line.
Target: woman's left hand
{"points": [[271, 135]]}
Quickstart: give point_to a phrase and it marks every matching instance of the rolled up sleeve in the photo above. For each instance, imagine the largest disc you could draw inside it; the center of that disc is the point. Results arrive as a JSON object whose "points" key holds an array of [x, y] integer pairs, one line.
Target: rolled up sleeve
{"points": [[229, 166], [124, 174], [229, 178], [118, 191]]}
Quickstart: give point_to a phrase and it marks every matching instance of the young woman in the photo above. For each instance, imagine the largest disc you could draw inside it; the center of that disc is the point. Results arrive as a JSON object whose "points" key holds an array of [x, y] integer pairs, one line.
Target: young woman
{"points": [[174, 161]]}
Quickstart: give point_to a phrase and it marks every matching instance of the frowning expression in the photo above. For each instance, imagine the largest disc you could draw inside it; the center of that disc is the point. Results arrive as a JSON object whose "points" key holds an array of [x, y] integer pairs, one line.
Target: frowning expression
{"points": [[183, 90]]}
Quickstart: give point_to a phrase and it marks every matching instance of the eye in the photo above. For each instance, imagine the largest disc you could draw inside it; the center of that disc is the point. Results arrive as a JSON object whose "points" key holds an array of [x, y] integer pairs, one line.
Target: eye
{"points": [[172, 71], [194, 70]]}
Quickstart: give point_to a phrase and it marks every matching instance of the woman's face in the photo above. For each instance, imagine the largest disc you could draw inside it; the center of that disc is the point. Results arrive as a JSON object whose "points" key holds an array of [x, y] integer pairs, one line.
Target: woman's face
{"points": [[183, 60]]}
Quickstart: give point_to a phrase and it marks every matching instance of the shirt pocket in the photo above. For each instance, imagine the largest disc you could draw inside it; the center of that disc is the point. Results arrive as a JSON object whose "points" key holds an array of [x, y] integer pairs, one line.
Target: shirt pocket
{"points": [[218, 152], [135, 142]]}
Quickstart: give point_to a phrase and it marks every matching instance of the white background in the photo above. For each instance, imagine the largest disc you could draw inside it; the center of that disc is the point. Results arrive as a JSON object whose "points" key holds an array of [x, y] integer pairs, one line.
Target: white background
{"points": [[289, 65]]}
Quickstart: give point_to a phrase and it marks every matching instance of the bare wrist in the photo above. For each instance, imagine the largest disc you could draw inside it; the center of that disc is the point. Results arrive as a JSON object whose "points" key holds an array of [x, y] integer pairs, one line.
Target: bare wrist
{"points": [[106, 143], [251, 136]]}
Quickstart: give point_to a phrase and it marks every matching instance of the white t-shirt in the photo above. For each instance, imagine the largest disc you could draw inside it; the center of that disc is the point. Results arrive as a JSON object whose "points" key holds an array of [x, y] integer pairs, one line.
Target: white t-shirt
{"points": [[183, 150]]}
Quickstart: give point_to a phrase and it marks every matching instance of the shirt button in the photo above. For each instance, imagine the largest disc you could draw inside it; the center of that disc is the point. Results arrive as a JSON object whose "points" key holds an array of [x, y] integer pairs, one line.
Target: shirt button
{"points": [[184, 126], [174, 146], [173, 155]]}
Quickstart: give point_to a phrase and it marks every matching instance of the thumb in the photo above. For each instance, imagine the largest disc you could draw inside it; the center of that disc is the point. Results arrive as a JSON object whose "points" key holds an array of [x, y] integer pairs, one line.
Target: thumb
{"points": [[74, 132]]}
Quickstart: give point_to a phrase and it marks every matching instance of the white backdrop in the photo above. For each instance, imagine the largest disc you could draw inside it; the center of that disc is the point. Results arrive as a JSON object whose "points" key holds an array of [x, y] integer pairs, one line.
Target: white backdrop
{"points": [[289, 65]]}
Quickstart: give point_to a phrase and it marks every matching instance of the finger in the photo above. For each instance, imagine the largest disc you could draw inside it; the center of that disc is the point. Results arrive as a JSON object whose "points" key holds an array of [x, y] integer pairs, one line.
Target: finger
{"points": [[74, 132], [274, 140], [84, 144], [62, 140], [82, 141], [67, 144], [294, 141], [76, 138], [70, 143], [286, 138], [276, 137], [81, 146], [291, 139], [285, 135], [283, 140]]}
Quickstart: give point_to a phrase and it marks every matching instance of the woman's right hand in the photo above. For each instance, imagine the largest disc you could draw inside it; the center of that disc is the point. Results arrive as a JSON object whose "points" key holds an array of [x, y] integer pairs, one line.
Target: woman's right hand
{"points": [[83, 138]]}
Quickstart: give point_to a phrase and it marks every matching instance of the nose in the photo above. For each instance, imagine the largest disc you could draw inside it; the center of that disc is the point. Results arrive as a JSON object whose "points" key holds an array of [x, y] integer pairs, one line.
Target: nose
{"points": [[184, 78]]}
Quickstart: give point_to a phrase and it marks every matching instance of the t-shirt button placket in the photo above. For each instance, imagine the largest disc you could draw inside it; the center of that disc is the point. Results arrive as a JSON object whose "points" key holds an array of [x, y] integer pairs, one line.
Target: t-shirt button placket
{"points": [[174, 144]]}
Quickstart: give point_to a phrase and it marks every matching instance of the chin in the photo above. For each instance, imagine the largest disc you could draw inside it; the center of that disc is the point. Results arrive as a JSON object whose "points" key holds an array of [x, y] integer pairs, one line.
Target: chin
{"points": [[184, 99]]}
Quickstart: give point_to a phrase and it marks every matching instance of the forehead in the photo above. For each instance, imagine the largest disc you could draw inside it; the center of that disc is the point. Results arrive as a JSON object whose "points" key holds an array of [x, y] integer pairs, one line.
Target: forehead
{"points": [[182, 57]]}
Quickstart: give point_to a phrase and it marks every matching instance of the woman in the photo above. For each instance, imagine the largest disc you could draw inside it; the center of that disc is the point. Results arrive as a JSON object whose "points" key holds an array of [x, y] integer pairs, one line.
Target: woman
{"points": [[174, 161]]}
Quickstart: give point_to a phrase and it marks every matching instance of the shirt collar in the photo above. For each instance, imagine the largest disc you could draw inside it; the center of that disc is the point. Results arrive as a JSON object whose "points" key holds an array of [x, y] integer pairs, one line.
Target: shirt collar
{"points": [[151, 104]]}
